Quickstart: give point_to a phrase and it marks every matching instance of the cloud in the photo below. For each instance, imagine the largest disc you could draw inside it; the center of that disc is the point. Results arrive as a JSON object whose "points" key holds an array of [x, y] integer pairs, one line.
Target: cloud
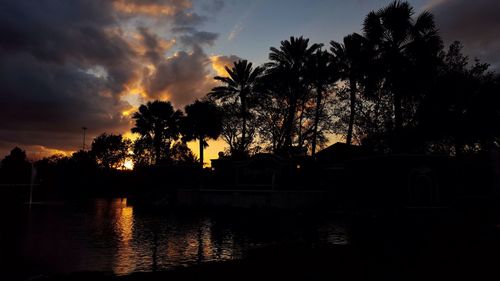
{"points": [[181, 78], [475, 23], [213, 6], [199, 38], [46, 104], [220, 62], [237, 29], [177, 12], [152, 7], [68, 64]]}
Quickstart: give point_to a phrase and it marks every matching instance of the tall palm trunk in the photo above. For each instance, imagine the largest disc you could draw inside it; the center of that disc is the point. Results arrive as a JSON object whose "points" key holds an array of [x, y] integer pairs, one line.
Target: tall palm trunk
{"points": [[244, 125], [157, 148], [350, 129], [316, 121], [459, 145], [289, 124], [202, 138], [398, 121], [398, 112]]}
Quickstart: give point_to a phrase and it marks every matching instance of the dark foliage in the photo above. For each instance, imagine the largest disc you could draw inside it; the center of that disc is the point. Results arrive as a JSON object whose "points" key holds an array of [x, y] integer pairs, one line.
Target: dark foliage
{"points": [[203, 121], [110, 151]]}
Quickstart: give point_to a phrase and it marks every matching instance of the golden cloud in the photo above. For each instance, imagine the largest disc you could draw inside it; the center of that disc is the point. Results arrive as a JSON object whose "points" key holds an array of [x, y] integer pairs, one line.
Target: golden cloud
{"points": [[169, 8], [220, 62]]}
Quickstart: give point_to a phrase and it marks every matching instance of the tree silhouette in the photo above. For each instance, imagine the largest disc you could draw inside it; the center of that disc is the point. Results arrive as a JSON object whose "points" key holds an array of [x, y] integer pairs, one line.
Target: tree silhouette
{"points": [[83, 160], [182, 154], [158, 124], [15, 167], [241, 83], [407, 50], [456, 118], [321, 72], [143, 153], [110, 151], [351, 58], [203, 121], [289, 64], [17, 158]]}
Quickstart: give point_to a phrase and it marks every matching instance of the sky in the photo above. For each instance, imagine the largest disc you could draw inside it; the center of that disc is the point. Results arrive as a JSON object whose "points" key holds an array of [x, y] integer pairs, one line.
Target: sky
{"points": [[67, 64]]}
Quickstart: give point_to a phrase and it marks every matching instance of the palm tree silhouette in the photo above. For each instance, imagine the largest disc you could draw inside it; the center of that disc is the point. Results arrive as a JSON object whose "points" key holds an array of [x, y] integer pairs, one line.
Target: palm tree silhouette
{"points": [[321, 72], [406, 48], [351, 58], [203, 121], [157, 123], [289, 62], [241, 83]]}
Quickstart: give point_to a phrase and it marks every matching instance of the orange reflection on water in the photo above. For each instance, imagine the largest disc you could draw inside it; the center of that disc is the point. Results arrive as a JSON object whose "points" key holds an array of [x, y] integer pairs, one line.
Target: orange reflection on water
{"points": [[124, 226], [146, 243]]}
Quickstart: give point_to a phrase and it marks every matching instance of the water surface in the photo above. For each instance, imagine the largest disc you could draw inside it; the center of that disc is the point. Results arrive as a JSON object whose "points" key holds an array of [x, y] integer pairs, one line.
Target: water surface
{"points": [[109, 235]]}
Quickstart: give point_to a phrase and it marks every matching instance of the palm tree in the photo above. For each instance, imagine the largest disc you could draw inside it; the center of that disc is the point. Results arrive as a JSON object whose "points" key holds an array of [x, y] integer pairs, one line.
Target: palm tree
{"points": [[351, 57], [321, 72], [289, 62], [157, 123], [241, 83], [203, 121], [407, 49]]}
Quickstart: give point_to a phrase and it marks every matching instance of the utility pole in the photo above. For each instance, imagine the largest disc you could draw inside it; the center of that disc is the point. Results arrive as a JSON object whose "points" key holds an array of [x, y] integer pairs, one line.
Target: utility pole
{"points": [[84, 131]]}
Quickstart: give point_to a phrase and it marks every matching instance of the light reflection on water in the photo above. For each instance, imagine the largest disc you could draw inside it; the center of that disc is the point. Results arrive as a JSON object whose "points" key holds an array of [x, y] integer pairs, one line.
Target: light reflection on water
{"points": [[124, 224], [109, 235]]}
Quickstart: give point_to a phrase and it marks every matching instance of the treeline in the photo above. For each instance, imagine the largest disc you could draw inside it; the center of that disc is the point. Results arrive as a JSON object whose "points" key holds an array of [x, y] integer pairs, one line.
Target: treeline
{"points": [[393, 88]]}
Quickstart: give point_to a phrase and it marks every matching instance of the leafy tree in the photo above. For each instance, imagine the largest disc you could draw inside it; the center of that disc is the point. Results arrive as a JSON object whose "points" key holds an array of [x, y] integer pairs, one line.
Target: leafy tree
{"points": [[143, 153], [456, 118], [241, 84], [83, 161], [16, 159], [15, 167], [231, 131], [182, 154], [158, 124], [110, 150], [203, 121]]}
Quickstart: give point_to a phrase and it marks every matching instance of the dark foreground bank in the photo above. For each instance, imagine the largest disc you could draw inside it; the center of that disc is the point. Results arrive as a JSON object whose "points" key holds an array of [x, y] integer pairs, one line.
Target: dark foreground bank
{"points": [[379, 251]]}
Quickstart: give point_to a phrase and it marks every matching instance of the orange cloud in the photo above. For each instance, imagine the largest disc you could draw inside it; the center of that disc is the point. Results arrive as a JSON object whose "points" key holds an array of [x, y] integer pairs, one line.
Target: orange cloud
{"points": [[170, 8], [37, 152], [219, 62]]}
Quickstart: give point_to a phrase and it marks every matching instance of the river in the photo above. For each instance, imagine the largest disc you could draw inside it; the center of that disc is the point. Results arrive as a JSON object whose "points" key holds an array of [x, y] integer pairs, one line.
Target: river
{"points": [[110, 235]]}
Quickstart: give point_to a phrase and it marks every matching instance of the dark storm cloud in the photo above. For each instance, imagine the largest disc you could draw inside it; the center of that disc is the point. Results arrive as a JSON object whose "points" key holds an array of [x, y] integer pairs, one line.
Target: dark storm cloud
{"points": [[62, 66], [46, 104], [154, 49], [67, 64], [475, 23], [82, 34]]}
